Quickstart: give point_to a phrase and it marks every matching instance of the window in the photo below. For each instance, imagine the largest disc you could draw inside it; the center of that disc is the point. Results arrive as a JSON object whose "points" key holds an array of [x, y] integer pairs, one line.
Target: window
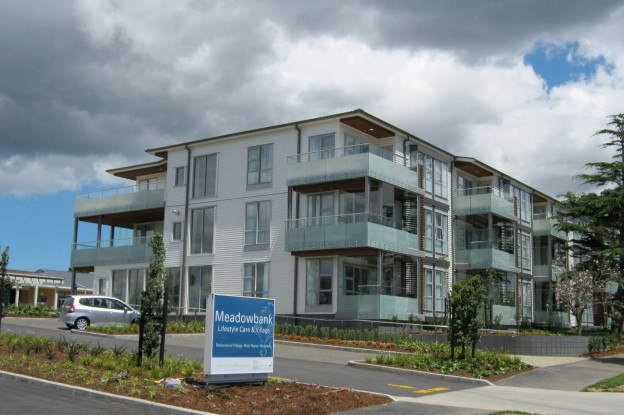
{"points": [[205, 176], [441, 234], [319, 281], [525, 245], [128, 285], [321, 146], [525, 206], [176, 233], [320, 206], [119, 284], [142, 233], [172, 284], [434, 291], [200, 285], [202, 230], [526, 298], [260, 164], [257, 223], [427, 163], [135, 286], [256, 280], [440, 179], [148, 184], [179, 176], [428, 230], [101, 286]]}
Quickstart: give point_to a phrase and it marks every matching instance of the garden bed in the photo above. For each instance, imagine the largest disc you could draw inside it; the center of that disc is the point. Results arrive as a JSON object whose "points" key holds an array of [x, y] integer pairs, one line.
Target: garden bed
{"points": [[115, 372]]}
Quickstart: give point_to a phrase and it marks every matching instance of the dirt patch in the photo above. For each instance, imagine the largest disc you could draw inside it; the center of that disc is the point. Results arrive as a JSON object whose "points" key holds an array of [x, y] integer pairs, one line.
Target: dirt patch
{"points": [[607, 353]]}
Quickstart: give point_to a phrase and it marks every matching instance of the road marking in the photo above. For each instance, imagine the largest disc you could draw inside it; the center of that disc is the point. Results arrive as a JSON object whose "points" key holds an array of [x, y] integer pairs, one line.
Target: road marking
{"points": [[401, 386], [423, 391], [439, 389], [419, 391]]}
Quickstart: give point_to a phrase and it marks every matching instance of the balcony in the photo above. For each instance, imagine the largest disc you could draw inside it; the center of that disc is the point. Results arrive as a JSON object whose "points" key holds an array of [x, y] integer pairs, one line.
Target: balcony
{"points": [[480, 200], [553, 272], [122, 199], [377, 306], [544, 226], [485, 258], [112, 252], [348, 163], [356, 230]]}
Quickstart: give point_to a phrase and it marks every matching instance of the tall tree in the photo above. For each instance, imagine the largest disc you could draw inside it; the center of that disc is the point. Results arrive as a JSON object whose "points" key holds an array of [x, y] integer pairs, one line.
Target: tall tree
{"points": [[152, 304], [597, 218], [464, 300]]}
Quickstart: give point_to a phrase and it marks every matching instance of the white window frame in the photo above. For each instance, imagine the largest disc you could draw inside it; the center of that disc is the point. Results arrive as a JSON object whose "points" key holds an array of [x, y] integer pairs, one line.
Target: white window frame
{"points": [[260, 169], [202, 240], [252, 285], [253, 234], [200, 178]]}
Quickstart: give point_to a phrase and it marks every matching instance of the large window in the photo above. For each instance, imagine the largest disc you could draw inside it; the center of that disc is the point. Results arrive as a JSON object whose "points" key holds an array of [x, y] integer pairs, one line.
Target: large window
{"points": [[172, 285], [525, 245], [256, 280], [321, 146], [441, 234], [128, 285], [436, 232], [440, 179], [321, 205], [319, 281], [434, 290], [200, 285], [119, 284], [202, 230], [260, 164], [205, 176], [257, 223], [428, 230], [525, 206]]}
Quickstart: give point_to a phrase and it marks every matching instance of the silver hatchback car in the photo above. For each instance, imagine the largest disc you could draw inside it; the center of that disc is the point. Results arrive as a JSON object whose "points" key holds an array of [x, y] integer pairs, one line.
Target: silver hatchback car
{"points": [[81, 311]]}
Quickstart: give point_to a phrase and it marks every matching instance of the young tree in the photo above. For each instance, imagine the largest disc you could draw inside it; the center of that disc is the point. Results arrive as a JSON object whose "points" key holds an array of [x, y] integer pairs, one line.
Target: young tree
{"points": [[597, 218], [464, 299], [4, 263], [152, 304], [575, 292]]}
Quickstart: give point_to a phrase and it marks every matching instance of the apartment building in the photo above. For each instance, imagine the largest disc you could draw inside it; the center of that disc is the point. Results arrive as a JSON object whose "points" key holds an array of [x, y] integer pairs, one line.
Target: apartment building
{"points": [[343, 216]]}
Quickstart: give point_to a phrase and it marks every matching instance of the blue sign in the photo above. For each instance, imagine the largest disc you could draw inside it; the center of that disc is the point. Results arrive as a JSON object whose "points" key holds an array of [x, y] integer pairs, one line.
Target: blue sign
{"points": [[239, 335]]}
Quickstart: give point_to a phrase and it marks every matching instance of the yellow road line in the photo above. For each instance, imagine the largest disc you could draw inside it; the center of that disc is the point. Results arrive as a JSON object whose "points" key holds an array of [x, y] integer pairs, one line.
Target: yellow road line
{"points": [[401, 386]]}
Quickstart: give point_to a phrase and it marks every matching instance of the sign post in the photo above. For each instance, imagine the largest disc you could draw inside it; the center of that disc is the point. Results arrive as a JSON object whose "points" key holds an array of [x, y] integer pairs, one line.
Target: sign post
{"points": [[239, 339]]}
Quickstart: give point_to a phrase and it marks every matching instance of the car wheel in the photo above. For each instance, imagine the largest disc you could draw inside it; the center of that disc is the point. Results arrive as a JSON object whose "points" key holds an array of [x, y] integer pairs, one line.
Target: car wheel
{"points": [[81, 323]]}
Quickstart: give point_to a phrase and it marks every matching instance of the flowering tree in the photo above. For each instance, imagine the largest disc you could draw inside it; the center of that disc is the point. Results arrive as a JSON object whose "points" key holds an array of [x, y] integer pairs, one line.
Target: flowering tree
{"points": [[575, 292]]}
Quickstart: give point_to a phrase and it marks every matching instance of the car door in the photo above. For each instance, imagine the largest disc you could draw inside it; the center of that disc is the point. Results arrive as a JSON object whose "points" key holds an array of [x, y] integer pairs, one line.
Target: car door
{"points": [[118, 312]]}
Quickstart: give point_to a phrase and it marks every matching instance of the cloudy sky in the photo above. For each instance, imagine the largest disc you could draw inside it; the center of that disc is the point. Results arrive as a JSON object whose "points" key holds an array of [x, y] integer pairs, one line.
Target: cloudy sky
{"points": [[89, 85]]}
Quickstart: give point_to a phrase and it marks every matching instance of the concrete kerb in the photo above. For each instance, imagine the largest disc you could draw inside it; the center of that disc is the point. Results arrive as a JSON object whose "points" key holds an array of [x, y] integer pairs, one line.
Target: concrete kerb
{"points": [[150, 407], [451, 378]]}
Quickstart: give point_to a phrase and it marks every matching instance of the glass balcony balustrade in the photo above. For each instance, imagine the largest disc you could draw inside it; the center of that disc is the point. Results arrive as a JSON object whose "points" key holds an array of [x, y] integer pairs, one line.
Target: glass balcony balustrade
{"points": [[349, 231], [545, 226], [348, 163], [111, 252], [374, 302], [479, 200], [485, 257], [121, 199]]}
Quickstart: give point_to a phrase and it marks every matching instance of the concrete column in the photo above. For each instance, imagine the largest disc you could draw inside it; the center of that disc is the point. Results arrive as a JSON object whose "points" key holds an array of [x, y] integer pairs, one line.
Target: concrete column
{"points": [[36, 294], [17, 292], [56, 297]]}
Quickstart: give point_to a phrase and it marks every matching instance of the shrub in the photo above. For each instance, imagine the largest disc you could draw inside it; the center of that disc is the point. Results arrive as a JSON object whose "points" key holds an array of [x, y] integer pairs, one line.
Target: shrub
{"points": [[325, 332], [596, 344]]}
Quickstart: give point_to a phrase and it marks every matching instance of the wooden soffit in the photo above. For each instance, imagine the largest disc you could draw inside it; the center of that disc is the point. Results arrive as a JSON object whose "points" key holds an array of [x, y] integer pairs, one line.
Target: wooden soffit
{"points": [[472, 169], [366, 126]]}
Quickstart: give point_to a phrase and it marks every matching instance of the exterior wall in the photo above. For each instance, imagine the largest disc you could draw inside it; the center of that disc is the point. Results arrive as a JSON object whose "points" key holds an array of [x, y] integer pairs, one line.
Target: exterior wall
{"points": [[230, 200]]}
